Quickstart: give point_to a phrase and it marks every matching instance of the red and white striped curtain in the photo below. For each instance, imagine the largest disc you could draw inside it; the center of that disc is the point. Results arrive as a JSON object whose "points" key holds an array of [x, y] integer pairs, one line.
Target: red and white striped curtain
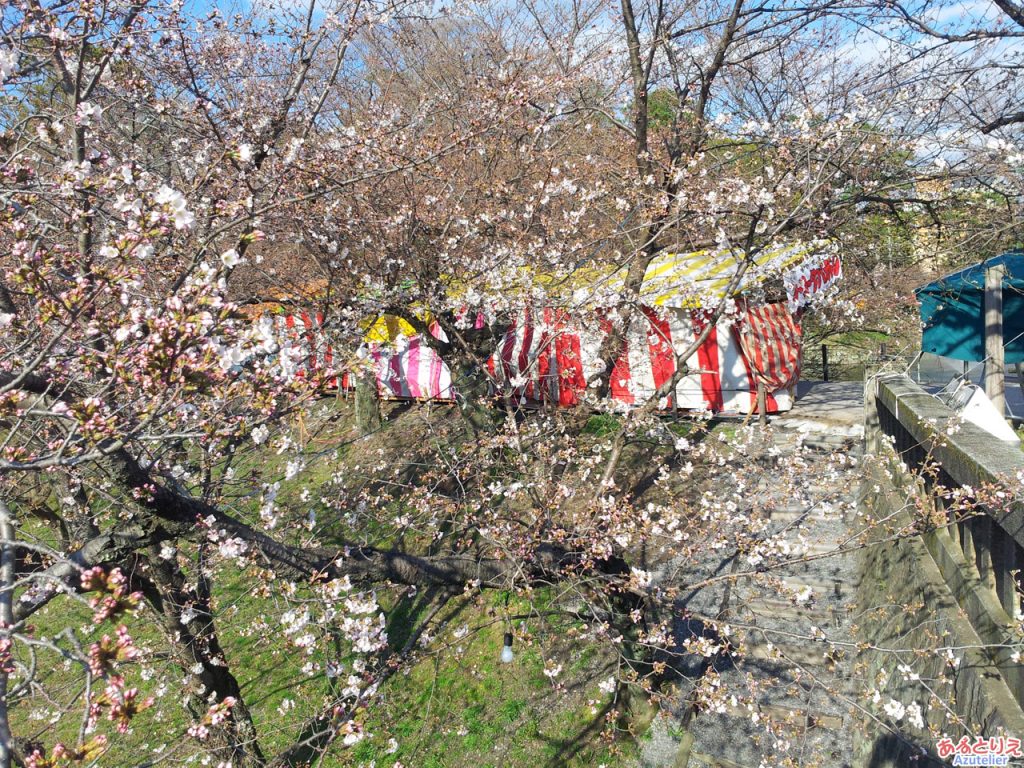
{"points": [[548, 355], [771, 340], [303, 338]]}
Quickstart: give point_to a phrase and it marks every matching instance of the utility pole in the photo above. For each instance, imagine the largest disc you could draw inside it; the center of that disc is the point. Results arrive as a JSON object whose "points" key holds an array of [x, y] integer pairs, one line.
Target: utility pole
{"points": [[995, 368]]}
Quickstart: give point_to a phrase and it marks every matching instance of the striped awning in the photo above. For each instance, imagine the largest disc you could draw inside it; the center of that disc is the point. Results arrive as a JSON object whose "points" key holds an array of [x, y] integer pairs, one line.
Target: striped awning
{"points": [[689, 280], [675, 280]]}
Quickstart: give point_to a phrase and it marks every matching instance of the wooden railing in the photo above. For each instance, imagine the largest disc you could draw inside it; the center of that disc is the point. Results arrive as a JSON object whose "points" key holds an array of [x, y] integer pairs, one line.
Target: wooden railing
{"points": [[980, 555]]}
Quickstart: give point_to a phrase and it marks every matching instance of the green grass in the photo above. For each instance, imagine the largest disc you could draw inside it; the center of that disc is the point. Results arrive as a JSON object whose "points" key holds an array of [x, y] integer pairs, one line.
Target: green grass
{"points": [[455, 706], [601, 425], [459, 706]]}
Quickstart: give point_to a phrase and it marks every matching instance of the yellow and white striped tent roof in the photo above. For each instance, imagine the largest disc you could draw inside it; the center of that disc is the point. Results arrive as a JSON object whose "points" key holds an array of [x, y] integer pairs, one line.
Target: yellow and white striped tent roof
{"points": [[701, 277], [678, 280]]}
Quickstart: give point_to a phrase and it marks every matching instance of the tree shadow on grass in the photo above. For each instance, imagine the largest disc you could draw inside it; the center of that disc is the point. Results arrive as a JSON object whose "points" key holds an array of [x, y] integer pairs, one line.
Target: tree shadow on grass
{"points": [[568, 748]]}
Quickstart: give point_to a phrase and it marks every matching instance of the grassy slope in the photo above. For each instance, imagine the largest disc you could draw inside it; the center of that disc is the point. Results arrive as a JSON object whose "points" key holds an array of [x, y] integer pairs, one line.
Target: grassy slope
{"points": [[459, 706], [456, 706]]}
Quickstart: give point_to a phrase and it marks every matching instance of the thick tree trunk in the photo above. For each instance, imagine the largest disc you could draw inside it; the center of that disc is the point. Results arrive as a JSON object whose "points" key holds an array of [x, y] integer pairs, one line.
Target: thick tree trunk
{"points": [[197, 648], [473, 396]]}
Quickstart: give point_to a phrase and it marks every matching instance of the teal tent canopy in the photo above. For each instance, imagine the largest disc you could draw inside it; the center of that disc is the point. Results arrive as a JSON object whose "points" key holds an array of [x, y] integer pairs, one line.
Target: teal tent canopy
{"points": [[953, 311]]}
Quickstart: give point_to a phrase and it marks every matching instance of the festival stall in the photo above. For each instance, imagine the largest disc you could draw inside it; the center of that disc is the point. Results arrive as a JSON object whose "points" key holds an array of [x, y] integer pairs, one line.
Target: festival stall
{"points": [[953, 311], [549, 355], [305, 347]]}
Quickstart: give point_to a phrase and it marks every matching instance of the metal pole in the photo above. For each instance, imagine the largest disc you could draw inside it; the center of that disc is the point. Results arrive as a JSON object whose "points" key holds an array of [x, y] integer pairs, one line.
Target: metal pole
{"points": [[8, 576], [995, 368], [824, 362]]}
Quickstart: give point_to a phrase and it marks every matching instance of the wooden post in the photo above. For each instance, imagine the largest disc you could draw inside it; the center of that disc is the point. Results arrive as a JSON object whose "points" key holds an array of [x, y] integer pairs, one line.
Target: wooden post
{"points": [[762, 403], [982, 535], [995, 369]]}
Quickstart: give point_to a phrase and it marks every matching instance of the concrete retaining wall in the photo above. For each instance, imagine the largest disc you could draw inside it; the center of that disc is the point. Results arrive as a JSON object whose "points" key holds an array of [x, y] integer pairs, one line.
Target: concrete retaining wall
{"points": [[927, 620]]}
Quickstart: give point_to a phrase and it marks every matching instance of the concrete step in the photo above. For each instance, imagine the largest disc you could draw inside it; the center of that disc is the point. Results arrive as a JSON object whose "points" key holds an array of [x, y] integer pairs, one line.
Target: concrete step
{"points": [[828, 444], [780, 617], [812, 540], [820, 613], [831, 586], [802, 719], [820, 511], [787, 651]]}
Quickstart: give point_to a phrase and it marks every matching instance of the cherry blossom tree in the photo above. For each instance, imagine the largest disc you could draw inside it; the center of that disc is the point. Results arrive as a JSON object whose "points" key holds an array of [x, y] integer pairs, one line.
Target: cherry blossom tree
{"points": [[146, 147], [165, 169], [951, 76]]}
